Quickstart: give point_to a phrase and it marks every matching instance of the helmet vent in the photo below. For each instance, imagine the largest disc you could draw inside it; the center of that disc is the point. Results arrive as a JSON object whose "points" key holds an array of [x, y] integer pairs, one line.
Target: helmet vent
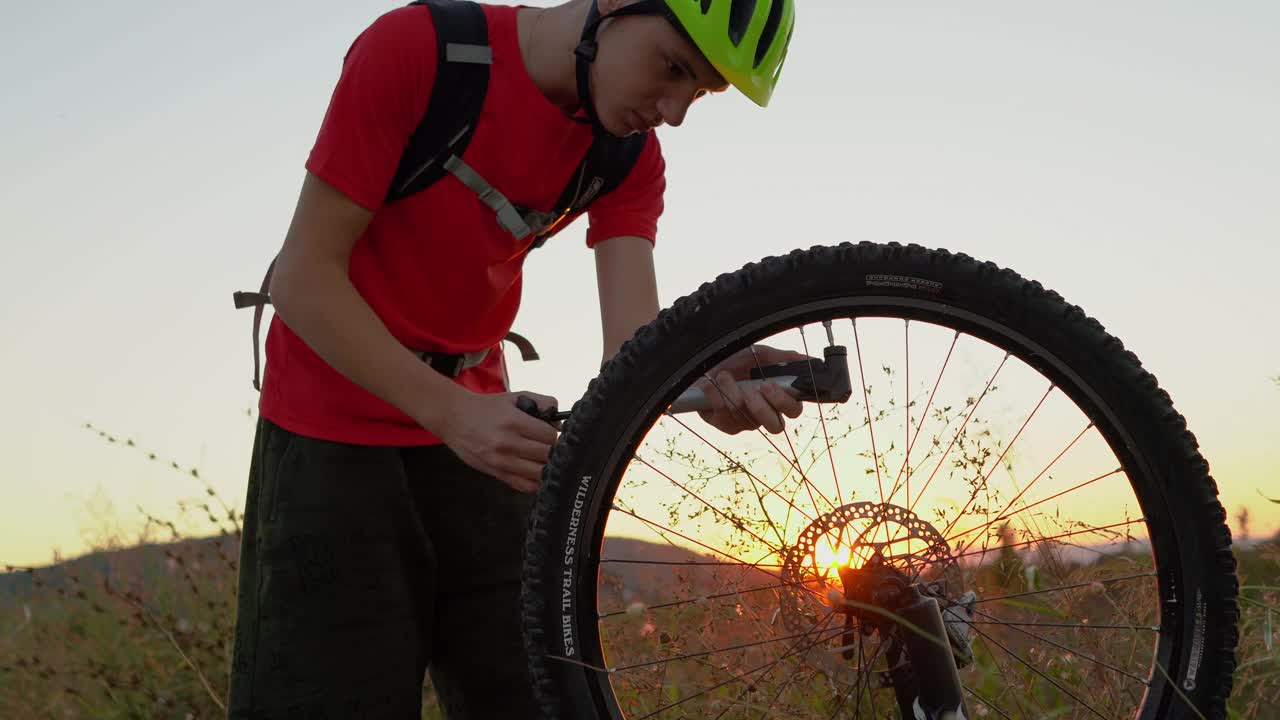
{"points": [[706, 6], [770, 32], [740, 13]]}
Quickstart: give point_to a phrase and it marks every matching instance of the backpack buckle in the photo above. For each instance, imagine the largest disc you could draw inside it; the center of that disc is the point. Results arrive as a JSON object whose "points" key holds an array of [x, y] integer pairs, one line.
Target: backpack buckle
{"points": [[541, 223], [448, 365], [451, 364], [587, 50]]}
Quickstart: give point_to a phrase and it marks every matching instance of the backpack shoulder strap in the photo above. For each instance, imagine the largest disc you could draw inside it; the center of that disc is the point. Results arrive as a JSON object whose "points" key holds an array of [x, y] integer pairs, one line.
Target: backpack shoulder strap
{"points": [[613, 159], [605, 166], [463, 57], [462, 80]]}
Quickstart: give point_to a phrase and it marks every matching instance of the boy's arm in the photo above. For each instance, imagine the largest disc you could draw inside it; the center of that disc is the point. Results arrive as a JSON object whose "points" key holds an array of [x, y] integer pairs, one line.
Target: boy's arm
{"points": [[378, 102], [629, 299], [628, 289], [313, 295]]}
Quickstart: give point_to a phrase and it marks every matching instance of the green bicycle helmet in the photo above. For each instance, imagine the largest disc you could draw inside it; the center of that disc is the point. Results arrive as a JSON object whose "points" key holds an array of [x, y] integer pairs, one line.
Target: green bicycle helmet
{"points": [[746, 41]]}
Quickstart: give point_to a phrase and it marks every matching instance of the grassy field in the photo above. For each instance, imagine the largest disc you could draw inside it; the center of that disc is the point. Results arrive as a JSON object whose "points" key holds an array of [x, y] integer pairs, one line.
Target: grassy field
{"points": [[145, 631]]}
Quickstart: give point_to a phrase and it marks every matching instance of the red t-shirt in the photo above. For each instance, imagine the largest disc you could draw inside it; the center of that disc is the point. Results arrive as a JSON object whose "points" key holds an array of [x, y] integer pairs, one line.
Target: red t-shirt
{"points": [[437, 268]]}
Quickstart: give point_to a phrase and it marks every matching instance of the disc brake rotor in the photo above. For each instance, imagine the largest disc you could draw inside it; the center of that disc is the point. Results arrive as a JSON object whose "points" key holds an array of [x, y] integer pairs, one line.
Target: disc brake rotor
{"points": [[850, 536]]}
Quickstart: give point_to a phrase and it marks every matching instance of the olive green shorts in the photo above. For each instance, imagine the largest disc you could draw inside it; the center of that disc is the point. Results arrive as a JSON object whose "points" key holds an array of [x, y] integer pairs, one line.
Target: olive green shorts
{"points": [[361, 569]]}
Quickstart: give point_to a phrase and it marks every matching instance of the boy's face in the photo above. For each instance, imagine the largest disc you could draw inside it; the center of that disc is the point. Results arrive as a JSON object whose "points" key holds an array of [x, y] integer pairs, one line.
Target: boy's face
{"points": [[646, 73]]}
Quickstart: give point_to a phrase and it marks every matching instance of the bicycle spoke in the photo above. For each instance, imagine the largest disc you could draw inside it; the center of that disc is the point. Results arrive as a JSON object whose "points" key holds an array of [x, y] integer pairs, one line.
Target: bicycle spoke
{"points": [[1073, 626], [911, 439], [1001, 515], [871, 696], [906, 410], [906, 422], [803, 475], [769, 672], [953, 560], [684, 562], [735, 522], [790, 678], [1046, 539], [731, 680], [794, 461], [978, 487], [1074, 651], [700, 598], [688, 656], [1037, 671], [985, 701], [858, 686], [822, 418], [866, 403], [1036, 503], [996, 465], [906, 466], [1004, 675], [974, 409], [660, 528], [1105, 581]]}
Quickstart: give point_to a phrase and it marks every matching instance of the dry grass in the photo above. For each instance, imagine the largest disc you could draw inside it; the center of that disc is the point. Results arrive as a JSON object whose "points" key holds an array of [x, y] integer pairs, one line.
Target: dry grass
{"points": [[140, 629], [146, 631]]}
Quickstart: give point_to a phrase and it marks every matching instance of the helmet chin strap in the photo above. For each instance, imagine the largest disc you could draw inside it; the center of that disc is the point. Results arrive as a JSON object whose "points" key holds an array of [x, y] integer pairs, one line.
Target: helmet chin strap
{"points": [[588, 47]]}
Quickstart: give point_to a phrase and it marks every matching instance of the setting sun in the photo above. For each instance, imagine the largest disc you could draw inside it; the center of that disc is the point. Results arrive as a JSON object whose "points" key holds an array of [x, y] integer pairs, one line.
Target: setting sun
{"points": [[827, 557]]}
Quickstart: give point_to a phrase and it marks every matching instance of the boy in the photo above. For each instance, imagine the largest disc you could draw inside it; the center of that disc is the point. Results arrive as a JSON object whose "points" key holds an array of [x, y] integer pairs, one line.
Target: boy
{"points": [[392, 471]]}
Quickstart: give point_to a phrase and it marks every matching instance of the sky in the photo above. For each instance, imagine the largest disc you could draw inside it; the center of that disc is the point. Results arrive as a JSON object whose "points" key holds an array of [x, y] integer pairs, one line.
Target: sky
{"points": [[1123, 154]]}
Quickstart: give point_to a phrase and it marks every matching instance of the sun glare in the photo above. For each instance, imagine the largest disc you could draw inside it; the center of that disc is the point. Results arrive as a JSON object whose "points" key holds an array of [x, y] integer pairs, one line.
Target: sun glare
{"points": [[827, 557]]}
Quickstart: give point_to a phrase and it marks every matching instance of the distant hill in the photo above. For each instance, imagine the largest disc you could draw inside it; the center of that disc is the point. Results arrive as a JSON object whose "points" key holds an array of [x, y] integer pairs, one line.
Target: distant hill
{"points": [[633, 569], [651, 572], [661, 572], [137, 564]]}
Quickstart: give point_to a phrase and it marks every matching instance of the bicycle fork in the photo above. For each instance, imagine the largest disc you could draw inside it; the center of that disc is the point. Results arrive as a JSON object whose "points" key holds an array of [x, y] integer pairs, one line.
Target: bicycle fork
{"points": [[922, 667], [928, 686]]}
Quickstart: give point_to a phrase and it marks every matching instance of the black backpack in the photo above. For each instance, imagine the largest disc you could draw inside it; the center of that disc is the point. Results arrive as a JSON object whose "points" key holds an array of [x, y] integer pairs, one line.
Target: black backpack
{"points": [[437, 145]]}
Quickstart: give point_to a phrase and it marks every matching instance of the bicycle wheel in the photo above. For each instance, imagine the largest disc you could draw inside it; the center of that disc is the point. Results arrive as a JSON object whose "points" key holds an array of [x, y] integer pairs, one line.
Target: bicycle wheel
{"points": [[1000, 451]]}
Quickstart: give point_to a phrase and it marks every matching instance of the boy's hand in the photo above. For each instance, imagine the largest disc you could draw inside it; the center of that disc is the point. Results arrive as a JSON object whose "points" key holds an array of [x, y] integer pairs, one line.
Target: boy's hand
{"points": [[491, 435], [734, 409]]}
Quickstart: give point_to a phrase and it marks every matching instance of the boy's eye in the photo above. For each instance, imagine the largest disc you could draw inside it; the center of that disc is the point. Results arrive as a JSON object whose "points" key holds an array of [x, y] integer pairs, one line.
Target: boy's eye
{"points": [[675, 71]]}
